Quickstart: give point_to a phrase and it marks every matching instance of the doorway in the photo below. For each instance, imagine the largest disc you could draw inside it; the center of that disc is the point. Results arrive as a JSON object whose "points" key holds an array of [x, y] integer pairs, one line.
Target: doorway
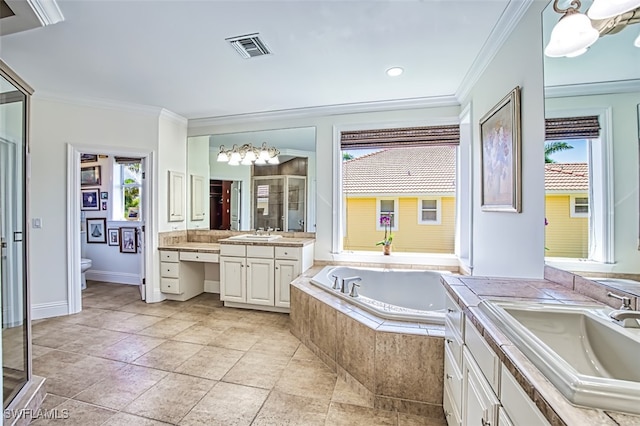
{"points": [[224, 204]]}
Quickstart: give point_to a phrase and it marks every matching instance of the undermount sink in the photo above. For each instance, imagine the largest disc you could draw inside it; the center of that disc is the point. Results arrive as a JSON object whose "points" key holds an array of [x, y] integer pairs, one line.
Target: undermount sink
{"points": [[591, 360], [254, 237]]}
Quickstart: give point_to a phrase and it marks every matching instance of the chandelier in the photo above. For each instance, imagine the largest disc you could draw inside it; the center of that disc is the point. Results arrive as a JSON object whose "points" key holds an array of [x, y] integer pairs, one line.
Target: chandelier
{"points": [[248, 155], [575, 31]]}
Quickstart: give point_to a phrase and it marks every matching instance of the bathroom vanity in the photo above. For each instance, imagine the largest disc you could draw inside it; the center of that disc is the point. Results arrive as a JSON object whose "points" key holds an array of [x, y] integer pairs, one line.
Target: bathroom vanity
{"points": [[248, 273]]}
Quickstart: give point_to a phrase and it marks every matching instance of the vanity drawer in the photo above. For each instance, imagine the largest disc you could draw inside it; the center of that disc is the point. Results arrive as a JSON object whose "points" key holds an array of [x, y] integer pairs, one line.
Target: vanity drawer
{"points": [[168, 256], [191, 256], [453, 342], [453, 378], [170, 285], [287, 253], [454, 314], [265, 252], [451, 413], [486, 359], [233, 250], [169, 270], [519, 407]]}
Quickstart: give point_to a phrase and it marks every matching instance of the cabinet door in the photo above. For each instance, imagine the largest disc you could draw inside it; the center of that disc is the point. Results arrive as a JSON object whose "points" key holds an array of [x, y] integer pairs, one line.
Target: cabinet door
{"points": [[479, 404], [197, 197], [232, 279], [286, 271], [260, 281], [176, 196]]}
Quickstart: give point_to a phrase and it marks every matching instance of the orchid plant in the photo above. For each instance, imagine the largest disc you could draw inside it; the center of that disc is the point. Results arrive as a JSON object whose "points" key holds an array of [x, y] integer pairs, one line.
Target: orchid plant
{"points": [[385, 221]]}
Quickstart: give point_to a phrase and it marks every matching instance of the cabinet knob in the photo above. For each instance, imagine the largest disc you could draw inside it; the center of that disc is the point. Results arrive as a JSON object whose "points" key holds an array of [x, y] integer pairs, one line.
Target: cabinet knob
{"points": [[485, 423], [450, 310], [449, 376], [276, 267], [449, 341], [447, 414]]}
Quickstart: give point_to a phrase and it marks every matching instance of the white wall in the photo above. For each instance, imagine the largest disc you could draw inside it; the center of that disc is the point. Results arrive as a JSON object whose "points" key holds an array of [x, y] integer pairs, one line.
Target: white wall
{"points": [[510, 244], [625, 169], [54, 124], [324, 151]]}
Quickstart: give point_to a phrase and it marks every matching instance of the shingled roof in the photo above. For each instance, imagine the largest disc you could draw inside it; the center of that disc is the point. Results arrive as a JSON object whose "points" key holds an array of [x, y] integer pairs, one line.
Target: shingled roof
{"points": [[566, 177], [417, 170]]}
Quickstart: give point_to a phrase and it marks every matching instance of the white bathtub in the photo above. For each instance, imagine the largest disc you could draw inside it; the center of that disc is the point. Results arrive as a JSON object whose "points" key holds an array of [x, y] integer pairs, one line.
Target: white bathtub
{"points": [[405, 295]]}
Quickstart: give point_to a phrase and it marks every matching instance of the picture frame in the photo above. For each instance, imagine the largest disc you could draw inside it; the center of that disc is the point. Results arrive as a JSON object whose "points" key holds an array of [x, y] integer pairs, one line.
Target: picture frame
{"points": [[88, 158], [500, 160], [113, 236], [90, 199], [90, 176], [133, 213], [97, 230], [128, 240], [104, 205], [104, 195]]}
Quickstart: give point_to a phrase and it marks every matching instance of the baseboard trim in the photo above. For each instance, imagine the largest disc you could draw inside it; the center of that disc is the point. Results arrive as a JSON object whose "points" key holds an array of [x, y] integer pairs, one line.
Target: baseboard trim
{"points": [[113, 277], [48, 310], [211, 286]]}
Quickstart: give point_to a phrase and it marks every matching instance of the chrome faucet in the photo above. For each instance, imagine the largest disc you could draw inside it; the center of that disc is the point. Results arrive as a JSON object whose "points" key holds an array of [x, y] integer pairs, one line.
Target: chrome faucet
{"points": [[347, 281], [354, 290], [335, 285], [626, 318]]}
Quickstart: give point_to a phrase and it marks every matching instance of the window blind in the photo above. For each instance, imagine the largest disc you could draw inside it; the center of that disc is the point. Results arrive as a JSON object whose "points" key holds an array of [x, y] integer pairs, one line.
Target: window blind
{"points": [[128, 160], [401, 137], [572, 128]]}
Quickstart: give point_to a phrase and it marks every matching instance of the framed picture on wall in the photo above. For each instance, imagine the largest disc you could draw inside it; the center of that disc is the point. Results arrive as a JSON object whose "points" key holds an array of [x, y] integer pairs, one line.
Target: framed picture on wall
{"points": [[90, 176], [90, 200], [113, 236], [500, 156], [97, 230], [88, 158], [128, 240]]}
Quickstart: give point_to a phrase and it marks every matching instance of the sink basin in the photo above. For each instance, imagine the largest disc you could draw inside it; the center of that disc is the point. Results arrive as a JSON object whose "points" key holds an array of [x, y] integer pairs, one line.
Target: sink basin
{"points": [[591, 361], [254, 238]]}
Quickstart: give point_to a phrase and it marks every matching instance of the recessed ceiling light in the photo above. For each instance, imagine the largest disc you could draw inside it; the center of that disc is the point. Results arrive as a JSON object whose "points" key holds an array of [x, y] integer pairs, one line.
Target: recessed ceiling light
{"points": [[394, 72]]}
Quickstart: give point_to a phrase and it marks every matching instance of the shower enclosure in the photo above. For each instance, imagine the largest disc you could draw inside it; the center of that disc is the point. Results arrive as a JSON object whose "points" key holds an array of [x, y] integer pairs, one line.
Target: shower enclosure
{"points": [[14, 106]]}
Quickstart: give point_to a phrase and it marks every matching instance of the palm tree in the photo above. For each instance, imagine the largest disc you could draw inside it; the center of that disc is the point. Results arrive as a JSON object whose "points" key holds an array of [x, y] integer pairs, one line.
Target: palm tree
{"points": [[551, 148]]}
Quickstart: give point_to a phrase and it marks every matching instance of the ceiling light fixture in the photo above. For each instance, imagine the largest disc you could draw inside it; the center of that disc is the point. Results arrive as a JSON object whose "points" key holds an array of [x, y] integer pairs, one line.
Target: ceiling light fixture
{"points": [[637, 42], [394, 71], [573, 33], [603, 9], [247, 155]]}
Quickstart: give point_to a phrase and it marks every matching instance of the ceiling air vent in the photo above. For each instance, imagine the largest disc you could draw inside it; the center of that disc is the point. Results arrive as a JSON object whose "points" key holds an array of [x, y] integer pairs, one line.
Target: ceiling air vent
{"points": [[249, 46]]}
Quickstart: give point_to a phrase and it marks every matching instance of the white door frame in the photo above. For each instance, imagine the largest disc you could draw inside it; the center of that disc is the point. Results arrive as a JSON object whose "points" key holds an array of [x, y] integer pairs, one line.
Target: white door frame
{"points": [[74, 292]]}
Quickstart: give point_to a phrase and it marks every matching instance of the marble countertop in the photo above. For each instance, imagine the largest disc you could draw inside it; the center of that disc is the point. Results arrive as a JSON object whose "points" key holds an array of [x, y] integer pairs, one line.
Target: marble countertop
{"points": [[280, 242], [195, 247], [470, 291]]}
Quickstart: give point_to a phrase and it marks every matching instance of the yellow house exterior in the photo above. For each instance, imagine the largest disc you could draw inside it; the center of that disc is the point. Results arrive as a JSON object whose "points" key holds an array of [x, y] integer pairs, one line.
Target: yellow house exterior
{"points": [[410, 236], [566, 210]]}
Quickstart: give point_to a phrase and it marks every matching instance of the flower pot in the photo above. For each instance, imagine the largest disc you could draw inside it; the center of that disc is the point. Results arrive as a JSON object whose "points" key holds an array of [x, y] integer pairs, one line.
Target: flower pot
{"points": [[386, 249]]}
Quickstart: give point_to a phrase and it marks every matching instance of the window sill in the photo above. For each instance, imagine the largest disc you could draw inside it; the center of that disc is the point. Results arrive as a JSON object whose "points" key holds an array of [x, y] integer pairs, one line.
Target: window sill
{"points": [[579, 265], [375, 258]]}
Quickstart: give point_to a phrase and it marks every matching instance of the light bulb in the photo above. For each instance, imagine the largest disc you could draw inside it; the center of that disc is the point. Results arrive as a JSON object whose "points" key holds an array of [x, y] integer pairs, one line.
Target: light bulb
{"points": [[572, 34], [223, 157], [260, 162], [235, 157], [274, 160]]}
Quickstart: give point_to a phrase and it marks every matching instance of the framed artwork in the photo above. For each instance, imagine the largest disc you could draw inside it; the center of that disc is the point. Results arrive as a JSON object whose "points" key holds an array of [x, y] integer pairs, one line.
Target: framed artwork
{"points": [[128, 240], [97, 230], [90, 199], [113, 236], [500, 156], [90, 176], [133, 213], [104, 195], [88, 158], [104, 205]]}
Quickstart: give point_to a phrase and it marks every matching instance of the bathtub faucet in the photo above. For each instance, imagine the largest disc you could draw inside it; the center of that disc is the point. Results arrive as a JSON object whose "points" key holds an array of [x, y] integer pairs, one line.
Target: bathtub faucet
{"points": [[347, 281], [335, 285]]}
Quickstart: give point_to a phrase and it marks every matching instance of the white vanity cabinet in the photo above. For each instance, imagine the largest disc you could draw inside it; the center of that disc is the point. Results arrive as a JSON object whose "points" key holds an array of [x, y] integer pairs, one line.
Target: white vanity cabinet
{"points": [[259, 276], [478, 389], [176, 196], [180, 280]]}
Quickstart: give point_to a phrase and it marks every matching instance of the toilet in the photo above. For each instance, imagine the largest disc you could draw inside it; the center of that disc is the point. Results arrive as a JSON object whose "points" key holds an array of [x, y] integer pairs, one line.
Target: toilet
{"points": [[85, 264]]}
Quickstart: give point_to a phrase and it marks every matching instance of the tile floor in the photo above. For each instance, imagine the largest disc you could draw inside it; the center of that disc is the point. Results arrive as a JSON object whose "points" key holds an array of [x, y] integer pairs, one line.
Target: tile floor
{"points": [[124, 362]]}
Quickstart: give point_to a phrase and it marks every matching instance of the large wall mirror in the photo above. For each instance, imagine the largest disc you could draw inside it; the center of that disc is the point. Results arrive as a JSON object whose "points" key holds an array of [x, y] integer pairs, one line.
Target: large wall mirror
{"points": [[244, 197], [592, 170]]}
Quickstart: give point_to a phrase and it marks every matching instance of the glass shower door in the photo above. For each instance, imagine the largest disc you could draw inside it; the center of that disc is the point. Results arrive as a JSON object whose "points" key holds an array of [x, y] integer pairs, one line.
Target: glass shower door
{"points": [[296, 203], [268, 196], [15, 324]]}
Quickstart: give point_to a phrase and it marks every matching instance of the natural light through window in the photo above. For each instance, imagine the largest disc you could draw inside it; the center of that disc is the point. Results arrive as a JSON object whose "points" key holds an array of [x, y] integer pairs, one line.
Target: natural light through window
{"points": [[127, 190]]}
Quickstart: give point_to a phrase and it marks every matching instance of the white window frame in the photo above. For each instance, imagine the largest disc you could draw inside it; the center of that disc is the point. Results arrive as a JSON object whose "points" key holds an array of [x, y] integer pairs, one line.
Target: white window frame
{"points": [[573, 212], [438, 219], [396, 209], [117, 202]]}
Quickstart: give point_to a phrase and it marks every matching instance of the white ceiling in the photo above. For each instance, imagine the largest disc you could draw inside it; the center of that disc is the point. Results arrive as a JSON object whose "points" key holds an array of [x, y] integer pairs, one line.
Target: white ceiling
{"points": [[173, 54]]}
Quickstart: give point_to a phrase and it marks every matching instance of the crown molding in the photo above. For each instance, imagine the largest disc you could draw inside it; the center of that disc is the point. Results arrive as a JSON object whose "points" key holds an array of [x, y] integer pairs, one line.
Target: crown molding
{"points": [[47, 11], [169, 115], [97, 103], [507, 22], [598, 88], [327, 110]]}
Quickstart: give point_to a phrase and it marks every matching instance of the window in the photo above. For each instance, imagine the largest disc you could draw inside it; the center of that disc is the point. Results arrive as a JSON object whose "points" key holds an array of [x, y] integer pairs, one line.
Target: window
{"points": [[127, 189], [387, 207], [579, 206], [429, 211]]}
